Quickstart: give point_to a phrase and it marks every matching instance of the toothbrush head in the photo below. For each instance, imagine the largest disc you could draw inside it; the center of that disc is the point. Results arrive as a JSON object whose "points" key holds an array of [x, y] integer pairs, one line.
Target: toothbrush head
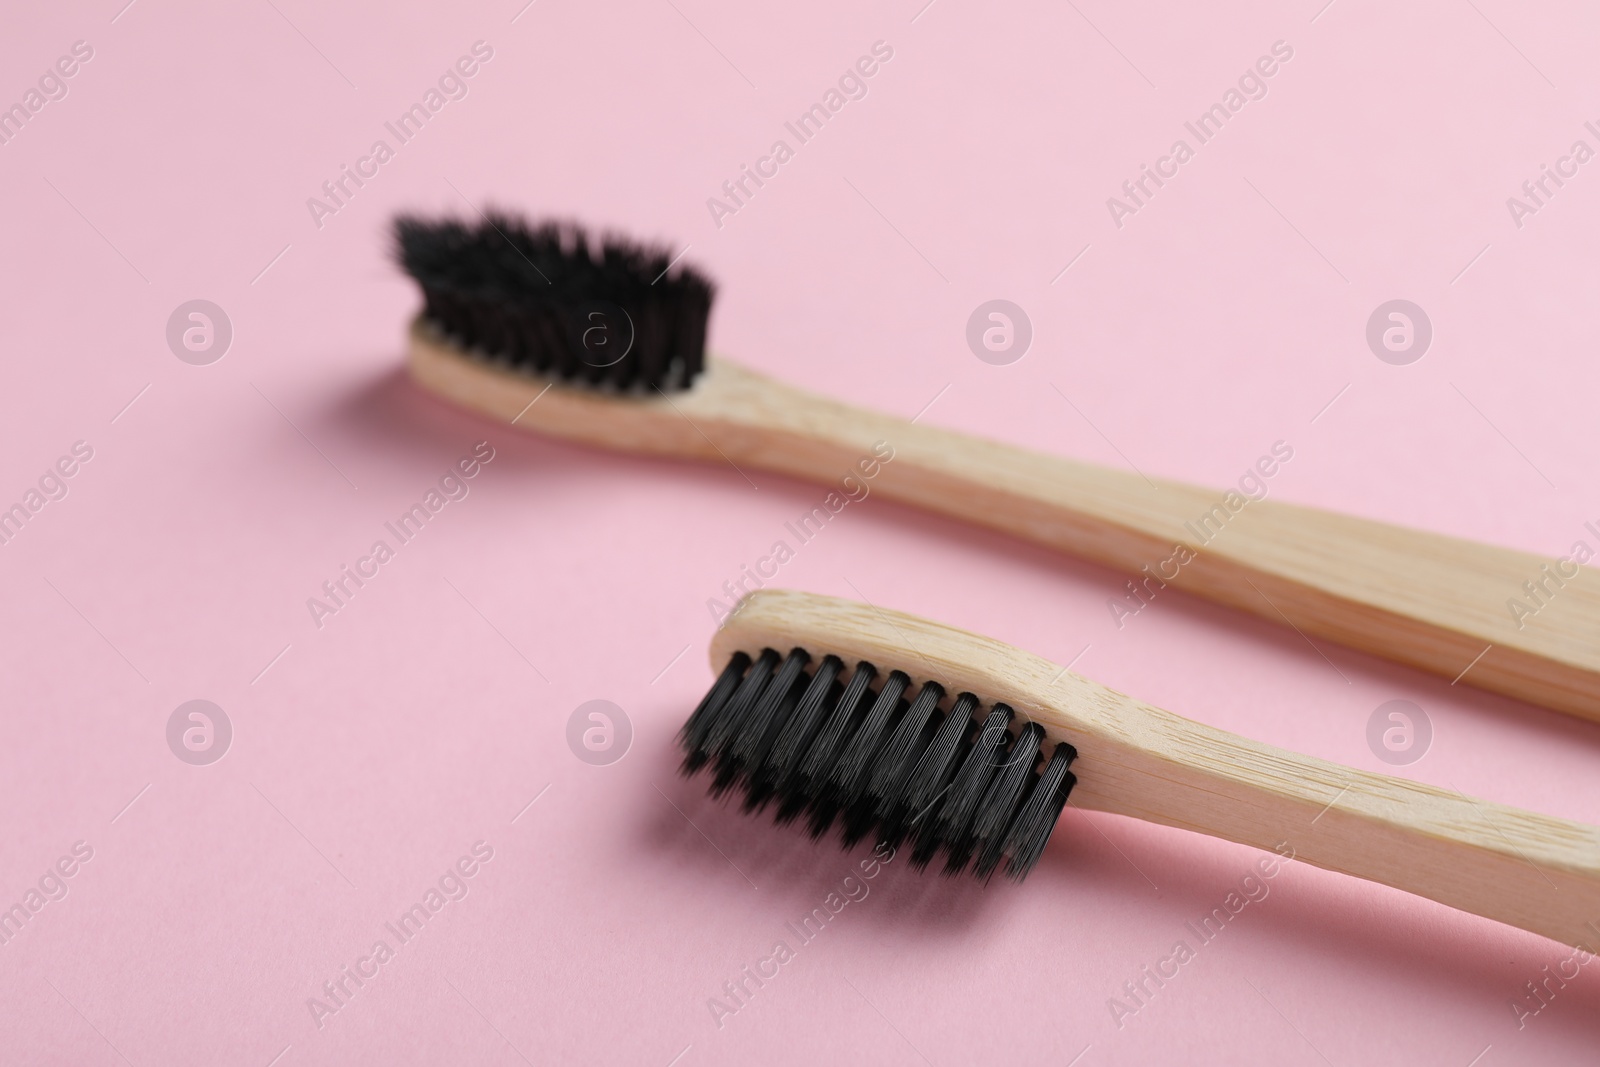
{"points": [[854, 747], [549, 299]]}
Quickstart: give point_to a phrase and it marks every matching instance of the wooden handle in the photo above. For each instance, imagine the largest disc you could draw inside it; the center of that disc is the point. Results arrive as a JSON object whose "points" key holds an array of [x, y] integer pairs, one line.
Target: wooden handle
{"points": [[1424, 599], [1531, 871]]}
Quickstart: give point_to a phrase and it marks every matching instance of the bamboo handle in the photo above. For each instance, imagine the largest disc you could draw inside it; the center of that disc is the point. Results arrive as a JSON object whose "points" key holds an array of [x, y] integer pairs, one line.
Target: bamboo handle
{"points": [[1535, 872], [1431, 601]]}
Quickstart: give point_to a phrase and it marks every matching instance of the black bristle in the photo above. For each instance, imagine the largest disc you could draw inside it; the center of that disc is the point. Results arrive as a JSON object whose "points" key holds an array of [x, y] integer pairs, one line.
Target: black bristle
{"points": [[1030, 830], [801, 786], [900, 815], [548, 299], [844, 785], [892, 763], [725, 725], [989, 822], [798, 731], [698, 728], [783, 729], [951, 824], [761, 726]]}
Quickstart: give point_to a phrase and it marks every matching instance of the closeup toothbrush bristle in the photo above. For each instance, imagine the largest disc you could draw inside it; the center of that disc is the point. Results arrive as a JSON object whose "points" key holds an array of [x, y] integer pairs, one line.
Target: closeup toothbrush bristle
{"points": [[847, 747], [548, 299]]}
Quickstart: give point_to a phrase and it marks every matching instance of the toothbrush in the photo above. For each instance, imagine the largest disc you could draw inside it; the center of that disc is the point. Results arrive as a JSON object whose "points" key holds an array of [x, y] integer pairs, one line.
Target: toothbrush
{"points": [[531, 327], [830, 710]]}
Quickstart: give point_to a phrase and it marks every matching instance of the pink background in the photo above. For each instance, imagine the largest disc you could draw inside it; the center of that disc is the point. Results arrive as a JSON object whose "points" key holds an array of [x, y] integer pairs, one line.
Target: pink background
{"points": [[423, 718]]}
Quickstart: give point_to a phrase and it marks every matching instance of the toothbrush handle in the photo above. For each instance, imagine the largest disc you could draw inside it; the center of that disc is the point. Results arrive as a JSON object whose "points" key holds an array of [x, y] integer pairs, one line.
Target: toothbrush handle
{"points": [[1423, 599], [1532, 871]]}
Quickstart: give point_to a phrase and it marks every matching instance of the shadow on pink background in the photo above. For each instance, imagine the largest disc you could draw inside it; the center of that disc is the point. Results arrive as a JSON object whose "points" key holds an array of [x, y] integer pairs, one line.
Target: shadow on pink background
{"points": [[427, 718]]}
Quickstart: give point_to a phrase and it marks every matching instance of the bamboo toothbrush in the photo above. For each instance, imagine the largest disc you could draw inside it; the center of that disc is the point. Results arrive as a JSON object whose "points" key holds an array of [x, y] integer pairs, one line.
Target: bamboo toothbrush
{"points": [[831, 710], [536, 328]]}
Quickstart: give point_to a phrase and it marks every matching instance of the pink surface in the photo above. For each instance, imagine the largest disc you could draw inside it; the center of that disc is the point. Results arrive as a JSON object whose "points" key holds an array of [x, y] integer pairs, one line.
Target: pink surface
{"points": [[371, 754]]}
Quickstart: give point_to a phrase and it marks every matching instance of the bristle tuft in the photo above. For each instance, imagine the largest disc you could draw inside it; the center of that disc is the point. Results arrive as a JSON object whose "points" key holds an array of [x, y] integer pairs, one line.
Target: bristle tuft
{"points": [[866, 756], [549, 299]]}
